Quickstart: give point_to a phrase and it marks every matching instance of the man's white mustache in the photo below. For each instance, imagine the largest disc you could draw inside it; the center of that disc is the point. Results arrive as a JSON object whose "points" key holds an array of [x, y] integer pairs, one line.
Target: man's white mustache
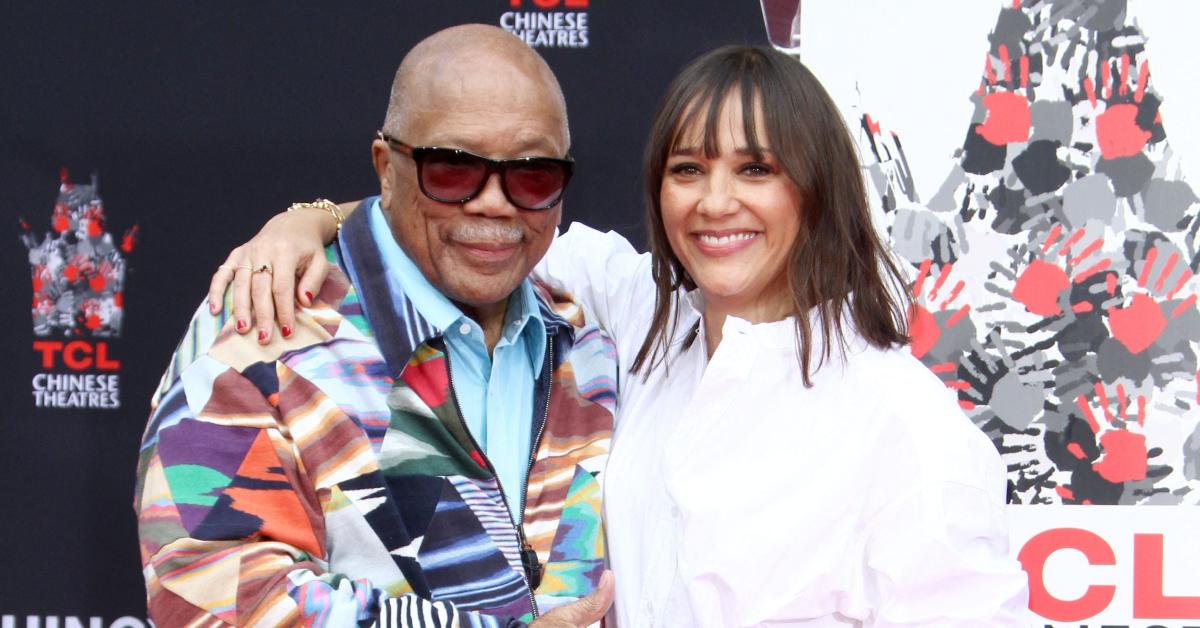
{"points": [[487, 232]]}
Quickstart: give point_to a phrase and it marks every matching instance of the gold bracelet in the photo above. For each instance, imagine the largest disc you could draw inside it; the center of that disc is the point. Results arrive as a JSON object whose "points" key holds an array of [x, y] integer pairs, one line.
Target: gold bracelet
{"points": [[326, 205]]}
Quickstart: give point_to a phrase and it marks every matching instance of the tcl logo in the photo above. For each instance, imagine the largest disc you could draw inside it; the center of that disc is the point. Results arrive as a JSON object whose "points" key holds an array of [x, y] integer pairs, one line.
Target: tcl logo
{"points": [[77, 355], [551, 4], [1149, 601]]}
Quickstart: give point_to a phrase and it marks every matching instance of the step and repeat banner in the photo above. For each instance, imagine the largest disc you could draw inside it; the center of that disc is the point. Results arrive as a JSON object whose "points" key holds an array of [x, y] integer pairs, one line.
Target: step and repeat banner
{"points": [[1030, 162], [1028, 159]]}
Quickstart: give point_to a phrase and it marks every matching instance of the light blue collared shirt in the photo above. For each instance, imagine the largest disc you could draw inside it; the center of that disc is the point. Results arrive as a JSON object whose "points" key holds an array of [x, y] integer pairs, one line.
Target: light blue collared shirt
{"points": [[495, 393]]}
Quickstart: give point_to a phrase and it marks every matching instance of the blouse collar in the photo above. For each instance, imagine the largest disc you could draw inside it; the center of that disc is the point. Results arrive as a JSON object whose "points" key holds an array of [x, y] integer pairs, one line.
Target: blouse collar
{"points": [[778, 335]]}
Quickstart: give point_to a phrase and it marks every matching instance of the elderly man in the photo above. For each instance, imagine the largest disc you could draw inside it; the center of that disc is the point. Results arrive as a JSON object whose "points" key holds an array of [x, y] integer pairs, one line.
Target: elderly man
{"points": [[424, 446]]}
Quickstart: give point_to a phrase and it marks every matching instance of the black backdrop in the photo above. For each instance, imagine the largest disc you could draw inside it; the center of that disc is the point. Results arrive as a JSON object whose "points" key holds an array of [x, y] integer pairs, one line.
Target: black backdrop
{"points": [[201, 119]]}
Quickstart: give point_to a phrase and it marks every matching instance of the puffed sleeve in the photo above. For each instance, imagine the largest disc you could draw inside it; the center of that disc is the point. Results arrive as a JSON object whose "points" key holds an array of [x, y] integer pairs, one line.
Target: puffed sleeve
{"points": [[604, 273], [938, 555]]}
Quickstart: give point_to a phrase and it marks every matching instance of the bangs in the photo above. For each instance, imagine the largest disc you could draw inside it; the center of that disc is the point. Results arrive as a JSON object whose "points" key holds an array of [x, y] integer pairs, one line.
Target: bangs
{"points": [[700, 118]]}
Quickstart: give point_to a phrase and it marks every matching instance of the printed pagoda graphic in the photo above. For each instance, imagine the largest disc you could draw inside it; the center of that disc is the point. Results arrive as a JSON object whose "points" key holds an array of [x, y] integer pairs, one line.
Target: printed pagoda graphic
{"points": [[78, 271], [1054, 265]]}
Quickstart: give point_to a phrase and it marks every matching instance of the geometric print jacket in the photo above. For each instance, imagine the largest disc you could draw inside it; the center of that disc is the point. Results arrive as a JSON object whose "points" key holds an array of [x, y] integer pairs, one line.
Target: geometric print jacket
{"points": [[328, 479]]}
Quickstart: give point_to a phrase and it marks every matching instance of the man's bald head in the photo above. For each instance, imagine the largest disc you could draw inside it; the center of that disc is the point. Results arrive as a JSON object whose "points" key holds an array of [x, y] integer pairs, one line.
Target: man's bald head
{"points": [[481, 90], [455, 62]]}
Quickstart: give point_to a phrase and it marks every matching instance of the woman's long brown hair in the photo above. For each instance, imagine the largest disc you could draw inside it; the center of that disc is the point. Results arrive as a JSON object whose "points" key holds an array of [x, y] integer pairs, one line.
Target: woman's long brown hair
{"points": [[837, 263]]}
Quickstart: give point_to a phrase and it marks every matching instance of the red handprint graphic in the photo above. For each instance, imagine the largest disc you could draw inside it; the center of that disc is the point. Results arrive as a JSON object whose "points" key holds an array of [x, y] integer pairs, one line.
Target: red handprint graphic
{"points": [[1008, 119], [1004, 99], [1123, 457], [1044, 285], [1111, 455], [940, 330], [1161, 276], [934, 314], [1117, 130]]}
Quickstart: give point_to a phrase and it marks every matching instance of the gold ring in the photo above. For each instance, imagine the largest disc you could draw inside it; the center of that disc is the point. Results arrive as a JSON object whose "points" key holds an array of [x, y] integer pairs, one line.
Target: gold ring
{"points": [[265, 268], [246, 266]]}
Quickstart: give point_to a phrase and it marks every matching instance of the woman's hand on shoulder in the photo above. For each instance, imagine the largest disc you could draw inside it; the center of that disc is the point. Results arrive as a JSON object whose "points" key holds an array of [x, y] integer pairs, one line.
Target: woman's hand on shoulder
{"points": [[284, 263]]}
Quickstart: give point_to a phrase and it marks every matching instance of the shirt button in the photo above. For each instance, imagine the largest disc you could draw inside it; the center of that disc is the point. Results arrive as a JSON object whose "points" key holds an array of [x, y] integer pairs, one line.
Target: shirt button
{"points": [[464, 329]]}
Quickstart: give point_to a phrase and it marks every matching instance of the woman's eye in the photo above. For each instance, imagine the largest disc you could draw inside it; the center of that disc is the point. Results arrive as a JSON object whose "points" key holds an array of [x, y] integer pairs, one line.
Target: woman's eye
{"points": [[685, 169], [758, 169]]}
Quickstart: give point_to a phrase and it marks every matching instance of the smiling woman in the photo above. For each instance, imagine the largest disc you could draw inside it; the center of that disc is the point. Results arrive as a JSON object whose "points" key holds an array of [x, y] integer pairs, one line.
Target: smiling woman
{"points": [[750, 481], [731, 217], [751, 149]]}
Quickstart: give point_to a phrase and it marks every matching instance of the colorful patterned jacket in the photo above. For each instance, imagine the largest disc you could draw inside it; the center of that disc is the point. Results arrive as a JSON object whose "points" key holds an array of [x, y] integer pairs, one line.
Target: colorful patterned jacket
{"points": [[328, 479]]}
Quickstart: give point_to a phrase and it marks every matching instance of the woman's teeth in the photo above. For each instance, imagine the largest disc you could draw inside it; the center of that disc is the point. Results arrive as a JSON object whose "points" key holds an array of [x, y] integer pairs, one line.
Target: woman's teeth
{"points": [[726, 239]]}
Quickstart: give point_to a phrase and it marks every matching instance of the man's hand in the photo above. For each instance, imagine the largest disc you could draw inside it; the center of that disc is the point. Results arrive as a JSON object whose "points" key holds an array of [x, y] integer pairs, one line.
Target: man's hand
{"points": [[582, 612]]}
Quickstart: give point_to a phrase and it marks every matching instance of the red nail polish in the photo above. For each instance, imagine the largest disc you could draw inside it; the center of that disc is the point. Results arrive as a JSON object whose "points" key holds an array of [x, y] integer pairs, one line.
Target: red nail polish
{"points": [[262, 335], [309, 296], [287, 331], [242, 325]]}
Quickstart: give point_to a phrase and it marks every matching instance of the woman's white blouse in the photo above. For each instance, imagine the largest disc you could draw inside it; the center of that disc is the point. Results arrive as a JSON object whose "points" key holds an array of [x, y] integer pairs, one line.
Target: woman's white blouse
{"points": [[736, 496]]}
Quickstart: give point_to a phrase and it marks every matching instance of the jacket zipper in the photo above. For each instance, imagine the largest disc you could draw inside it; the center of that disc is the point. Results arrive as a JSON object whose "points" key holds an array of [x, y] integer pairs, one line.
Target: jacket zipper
{"points": [[518, 525], [528, 556]]}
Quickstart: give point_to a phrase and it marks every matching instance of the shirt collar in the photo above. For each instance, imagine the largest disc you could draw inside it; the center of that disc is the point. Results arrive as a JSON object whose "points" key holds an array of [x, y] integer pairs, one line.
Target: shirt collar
{"points": [[407, 282], [781, 333], [525, 316]]}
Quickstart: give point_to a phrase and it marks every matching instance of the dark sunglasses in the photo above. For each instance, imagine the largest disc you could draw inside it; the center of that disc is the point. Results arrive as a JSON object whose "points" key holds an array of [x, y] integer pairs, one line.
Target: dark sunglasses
{"points": [[453, 175]]}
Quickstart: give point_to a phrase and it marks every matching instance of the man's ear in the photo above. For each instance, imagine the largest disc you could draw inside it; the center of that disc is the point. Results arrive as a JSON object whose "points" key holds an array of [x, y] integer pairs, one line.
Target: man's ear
{"points": [[381, 156]]}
